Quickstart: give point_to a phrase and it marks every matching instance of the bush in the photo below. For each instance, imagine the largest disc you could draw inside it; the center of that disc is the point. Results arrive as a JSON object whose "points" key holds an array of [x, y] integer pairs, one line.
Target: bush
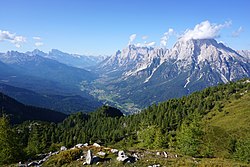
{"points": [[63, 158], [242, 151]]}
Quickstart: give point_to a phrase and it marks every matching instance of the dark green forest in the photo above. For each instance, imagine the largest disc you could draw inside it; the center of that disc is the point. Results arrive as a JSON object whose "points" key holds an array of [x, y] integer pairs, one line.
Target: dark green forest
{"points": [[185, 125]]}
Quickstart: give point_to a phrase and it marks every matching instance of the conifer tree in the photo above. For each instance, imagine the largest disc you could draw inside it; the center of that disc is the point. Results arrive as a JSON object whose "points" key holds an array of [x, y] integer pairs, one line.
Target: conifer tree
{"points": [[10, 150]]}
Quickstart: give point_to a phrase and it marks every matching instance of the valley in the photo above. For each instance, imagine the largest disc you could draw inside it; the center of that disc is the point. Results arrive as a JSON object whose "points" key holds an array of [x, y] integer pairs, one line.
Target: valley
{"points": [[206, 127], [131, 79], [124, 83]]}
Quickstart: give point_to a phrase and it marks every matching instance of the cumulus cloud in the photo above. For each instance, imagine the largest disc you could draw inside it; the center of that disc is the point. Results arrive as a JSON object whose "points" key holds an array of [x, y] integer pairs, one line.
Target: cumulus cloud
{"points": [[12, 37], [140, 44], [166, 36], [131, 38], [237, 32], [205, 30]]}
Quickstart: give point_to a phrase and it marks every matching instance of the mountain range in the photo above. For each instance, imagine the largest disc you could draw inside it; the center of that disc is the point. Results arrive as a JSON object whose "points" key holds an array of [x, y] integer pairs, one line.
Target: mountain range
{"points": [[45, 82], [131, 79], [74, 60], [139, 76]]}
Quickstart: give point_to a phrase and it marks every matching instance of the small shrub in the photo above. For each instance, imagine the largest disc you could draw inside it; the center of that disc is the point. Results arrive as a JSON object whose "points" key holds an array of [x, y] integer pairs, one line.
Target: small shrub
{"points": [[63, 158], [242, 151]]}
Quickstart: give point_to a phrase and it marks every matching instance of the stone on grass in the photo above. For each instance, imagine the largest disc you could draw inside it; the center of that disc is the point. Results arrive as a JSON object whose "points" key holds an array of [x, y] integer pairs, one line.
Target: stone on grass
{"points": [[122, 156], [89, 157], [158, 165], [79, 145], [114, 151], [63, 148], [96, 145], [165, 154], [101, 153], [135, 156]]}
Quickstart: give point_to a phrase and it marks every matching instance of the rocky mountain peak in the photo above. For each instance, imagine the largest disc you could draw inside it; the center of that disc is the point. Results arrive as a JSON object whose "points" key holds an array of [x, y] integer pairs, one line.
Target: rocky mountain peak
{"points": [[14, 57]]}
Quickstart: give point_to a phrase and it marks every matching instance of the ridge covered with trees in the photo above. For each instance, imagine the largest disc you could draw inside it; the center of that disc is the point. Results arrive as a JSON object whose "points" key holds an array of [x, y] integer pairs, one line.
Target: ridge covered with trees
{"points": [[209, 123], [19, 112]]}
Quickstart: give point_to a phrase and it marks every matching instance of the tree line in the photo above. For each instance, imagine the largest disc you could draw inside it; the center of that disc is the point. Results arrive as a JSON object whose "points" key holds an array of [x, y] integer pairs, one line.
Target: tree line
{"points": [[174, 124]]}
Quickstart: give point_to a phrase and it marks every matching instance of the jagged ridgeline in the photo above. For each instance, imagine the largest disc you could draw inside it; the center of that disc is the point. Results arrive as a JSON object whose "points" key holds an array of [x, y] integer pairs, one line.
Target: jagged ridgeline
{"points": [[210, 123]]}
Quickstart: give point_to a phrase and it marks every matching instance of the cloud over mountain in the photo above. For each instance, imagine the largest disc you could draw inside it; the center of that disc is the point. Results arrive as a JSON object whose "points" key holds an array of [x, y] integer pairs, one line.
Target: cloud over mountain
{"points": [[205, 30], [12, 37], [166, 36], [131, 38]]}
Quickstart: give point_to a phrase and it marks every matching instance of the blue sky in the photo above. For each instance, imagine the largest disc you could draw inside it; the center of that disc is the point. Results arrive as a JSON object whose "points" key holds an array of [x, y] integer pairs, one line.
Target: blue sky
{"points": [[100, 27]]}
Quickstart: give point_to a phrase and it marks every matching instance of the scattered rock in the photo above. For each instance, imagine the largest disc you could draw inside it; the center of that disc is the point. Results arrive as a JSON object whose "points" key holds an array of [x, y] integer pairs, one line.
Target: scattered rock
{"points": [[101, 153], [158, 153], [114, 151], [158, 165], [63, 148], [79, 145], [89, 157], [96, 145], [135, 156], [20, 164], [34, 163], [54, 153], [165, 154], [121, 156]]}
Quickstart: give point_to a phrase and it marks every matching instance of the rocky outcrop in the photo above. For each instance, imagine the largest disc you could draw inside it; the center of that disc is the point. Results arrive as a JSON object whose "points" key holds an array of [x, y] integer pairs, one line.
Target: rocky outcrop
{"points": [[89, 157], [122, 156]]}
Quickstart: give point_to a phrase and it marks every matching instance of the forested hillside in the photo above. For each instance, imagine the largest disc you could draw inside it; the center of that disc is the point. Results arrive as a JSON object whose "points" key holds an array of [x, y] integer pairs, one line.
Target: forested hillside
{"points": [[210, 123], [19, 112], [63, 103]]}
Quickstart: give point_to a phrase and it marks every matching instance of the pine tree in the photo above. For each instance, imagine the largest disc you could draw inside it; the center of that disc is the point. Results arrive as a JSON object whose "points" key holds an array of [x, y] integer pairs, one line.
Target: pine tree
{"points": [[160, 139], [35, 141], [190, 136], [10, 150]]}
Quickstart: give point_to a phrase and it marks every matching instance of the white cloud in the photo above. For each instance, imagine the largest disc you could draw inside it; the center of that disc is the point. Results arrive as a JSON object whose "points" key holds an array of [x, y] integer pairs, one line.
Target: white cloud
{"points": [[131, 38], [11, 37], [145, 44], [39, 44], [37, 38], [38, 41], [166, 36], [237, 32], [150, 44], [205, 30]]}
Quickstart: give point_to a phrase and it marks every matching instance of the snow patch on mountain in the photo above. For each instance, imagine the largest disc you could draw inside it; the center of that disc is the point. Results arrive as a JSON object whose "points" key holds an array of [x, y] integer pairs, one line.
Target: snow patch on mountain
{"points": [[196, 57], [188, 81]]}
